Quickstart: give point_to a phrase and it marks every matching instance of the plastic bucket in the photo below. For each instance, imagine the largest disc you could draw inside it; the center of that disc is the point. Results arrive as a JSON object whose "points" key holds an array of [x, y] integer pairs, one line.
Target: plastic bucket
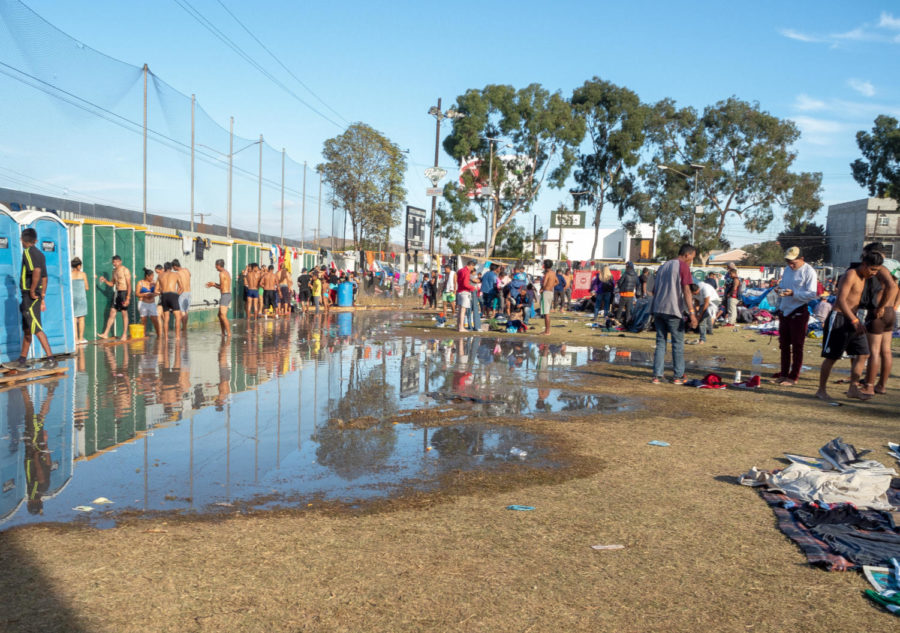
{"points": [[136, 330]]}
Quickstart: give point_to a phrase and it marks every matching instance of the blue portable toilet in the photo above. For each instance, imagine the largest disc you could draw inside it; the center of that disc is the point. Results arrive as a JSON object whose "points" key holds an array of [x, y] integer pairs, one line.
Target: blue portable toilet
{"points": [[10, 297], [53, 242]]}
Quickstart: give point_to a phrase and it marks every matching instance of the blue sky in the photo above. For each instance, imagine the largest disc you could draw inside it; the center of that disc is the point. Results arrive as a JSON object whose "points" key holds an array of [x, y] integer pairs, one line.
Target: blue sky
{"points": [[829, 66]]}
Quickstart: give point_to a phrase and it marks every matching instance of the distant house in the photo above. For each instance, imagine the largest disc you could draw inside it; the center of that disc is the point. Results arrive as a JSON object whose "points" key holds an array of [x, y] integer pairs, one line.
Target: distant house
{"points": [[575, 244], [851, 225]]}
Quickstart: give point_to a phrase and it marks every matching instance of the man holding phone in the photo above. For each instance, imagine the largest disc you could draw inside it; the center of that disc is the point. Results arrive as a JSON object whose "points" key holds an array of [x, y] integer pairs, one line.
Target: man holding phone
{"points": [[797, 288]]}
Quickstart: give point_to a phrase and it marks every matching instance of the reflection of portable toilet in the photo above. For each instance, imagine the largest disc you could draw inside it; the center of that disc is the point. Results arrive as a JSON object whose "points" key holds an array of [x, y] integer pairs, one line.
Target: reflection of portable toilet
{"points": [[53, 242], [10, 297], [12, 477]]}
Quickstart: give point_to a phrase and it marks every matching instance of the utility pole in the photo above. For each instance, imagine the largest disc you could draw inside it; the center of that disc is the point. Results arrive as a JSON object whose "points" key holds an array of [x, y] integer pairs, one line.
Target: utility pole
{"points": [[303, 212], [437, 143], [144, 202], [282, 196], [319, 219], [230, 165], [259, 194], [193, 107]]}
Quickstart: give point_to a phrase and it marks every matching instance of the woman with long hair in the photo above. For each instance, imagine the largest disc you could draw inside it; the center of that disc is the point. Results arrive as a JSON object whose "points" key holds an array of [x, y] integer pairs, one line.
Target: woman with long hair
{"points": [[79, 298]]}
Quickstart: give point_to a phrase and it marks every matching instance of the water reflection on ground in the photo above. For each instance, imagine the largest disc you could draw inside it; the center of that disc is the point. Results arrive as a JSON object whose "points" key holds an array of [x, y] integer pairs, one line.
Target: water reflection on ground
{"points": [[272, 417]]}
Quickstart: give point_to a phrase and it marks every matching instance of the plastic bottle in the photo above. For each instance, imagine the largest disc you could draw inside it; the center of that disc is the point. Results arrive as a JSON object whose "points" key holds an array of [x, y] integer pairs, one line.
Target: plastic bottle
{"points": [[758, 357], [518, 452]]}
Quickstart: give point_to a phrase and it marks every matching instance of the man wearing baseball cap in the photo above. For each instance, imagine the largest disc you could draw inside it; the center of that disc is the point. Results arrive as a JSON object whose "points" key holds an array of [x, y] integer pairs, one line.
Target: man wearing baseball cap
{"points": [[796, 289]]}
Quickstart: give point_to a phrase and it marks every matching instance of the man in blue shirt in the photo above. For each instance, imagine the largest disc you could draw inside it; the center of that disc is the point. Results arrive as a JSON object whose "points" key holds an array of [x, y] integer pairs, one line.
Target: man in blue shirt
{"points": [[489, 289]]}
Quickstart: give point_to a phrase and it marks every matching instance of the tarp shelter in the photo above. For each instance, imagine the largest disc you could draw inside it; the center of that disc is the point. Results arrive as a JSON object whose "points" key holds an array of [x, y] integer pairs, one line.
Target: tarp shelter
{"points": [[53, 242], [10, 296]]}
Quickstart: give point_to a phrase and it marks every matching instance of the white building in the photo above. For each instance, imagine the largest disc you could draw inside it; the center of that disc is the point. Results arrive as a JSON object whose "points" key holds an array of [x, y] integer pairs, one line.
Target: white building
{"points": [[851, 225], [575, 244]]}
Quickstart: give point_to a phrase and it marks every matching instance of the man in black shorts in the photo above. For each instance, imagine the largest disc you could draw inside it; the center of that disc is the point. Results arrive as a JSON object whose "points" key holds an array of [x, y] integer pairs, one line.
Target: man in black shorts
{"points": [[33, 285], [844, 332], [303, 290]]}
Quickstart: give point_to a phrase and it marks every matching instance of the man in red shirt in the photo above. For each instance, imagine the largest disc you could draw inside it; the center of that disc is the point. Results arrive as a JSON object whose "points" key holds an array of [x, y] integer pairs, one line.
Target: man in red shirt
{"points": [[464, 291]]}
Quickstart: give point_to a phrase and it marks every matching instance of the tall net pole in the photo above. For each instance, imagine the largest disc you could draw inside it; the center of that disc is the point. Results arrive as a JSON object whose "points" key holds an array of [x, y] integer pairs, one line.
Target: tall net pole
{"points": [[282, 197], [144, 192], [193, 138], [303, 208], [437, 142], [259, 195], [230, 165]]}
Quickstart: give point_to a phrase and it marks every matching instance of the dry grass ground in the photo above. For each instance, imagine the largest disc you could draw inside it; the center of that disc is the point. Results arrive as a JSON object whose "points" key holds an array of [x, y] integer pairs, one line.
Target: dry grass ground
{"points": [[701, 553]]}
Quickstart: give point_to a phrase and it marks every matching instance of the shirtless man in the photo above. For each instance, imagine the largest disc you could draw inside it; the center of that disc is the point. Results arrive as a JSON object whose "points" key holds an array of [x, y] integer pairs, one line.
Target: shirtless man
{"points": [[169, 288], [878, 299], [251, 280], [121, 281], [184, 298], [844, 332], [224, 287], [269, 284], [284, 292]]}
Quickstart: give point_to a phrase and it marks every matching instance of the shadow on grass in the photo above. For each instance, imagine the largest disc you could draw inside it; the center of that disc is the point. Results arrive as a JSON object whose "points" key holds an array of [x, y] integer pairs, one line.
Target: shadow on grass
{"points": [[29, 602]]}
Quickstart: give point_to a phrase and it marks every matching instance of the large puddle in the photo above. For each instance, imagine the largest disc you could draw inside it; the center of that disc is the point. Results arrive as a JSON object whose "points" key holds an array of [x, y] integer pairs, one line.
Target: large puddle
{"points": [[284, 414]]}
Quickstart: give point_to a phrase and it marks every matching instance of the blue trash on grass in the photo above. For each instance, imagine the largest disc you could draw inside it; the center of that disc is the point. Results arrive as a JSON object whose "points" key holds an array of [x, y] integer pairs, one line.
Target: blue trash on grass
{"points": [[657, 443], [520, 508]]}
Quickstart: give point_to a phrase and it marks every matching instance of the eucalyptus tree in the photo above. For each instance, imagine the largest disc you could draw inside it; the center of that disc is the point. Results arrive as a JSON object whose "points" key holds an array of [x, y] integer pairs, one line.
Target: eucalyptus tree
{"points": [[516, 141], [366, 172]]}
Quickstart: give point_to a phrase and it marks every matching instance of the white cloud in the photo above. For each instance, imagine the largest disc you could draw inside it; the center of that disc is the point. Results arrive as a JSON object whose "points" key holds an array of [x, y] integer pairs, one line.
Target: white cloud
{"points": [[859, 34], [862, 86], [797, 35], [818, 131], [888, 21], [805, 103]]}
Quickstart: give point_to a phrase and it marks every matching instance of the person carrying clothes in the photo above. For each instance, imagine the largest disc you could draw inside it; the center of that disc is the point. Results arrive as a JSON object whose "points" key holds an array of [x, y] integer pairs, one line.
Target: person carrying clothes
{"points": [[672, 298], [33, 286], [628, 284], [732, 294], [80, 288], [798, 286], [602, 286]]}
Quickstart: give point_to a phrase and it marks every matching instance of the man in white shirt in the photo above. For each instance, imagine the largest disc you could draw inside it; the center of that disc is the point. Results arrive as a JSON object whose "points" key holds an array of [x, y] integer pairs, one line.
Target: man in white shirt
{"points": [[796, 289], [709, 300]]}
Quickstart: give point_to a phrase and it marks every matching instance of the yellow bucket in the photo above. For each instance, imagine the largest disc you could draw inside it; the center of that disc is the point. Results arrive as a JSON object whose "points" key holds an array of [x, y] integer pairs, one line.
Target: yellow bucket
{"points": [[136, 330]]}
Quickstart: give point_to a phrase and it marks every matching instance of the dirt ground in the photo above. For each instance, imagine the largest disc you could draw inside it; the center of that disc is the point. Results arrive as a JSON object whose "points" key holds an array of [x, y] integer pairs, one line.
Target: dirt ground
{"points": [[701, 552]]}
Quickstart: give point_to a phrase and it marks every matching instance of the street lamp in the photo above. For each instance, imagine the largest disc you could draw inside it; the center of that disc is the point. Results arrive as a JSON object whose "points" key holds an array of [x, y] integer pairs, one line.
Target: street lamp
{"points": [[436, 112], [696, 178]]}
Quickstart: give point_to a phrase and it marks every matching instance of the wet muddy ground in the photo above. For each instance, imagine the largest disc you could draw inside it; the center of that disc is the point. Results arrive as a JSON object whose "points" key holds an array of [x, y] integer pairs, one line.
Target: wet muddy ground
{"points": [[285, 413]]}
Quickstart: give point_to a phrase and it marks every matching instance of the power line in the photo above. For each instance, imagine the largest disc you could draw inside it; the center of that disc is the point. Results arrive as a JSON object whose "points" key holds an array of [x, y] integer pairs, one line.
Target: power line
{"points": [[209, 26], [280, 63]]}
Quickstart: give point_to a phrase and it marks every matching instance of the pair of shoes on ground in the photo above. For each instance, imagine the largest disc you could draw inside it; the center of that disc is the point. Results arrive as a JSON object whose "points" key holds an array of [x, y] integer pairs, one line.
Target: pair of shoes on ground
{"points": [[675, 381]]}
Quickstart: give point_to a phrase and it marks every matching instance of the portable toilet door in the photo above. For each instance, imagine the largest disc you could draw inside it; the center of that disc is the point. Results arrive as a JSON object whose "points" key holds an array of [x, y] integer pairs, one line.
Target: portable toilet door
{"points": [[53, 242], [10, 296]]}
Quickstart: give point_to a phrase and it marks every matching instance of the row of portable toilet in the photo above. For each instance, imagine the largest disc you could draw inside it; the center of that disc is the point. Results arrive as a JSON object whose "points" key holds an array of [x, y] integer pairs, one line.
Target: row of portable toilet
{"points": [[58, 320]]}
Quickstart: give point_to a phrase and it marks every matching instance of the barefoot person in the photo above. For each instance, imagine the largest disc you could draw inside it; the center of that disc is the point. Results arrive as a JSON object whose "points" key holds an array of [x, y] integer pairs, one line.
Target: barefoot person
{"points": [[146, 293], [184, 297], [33, 285], [269, 286], [797, 288], [284, 292], [548, 283], [80, 289], [251, 280], [169, 288], [224, 286], [878, 300], [844, 332], [121, 281]]}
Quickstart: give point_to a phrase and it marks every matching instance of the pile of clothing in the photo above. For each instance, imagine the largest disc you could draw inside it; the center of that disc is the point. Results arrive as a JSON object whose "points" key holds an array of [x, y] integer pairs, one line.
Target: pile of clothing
{"points": [[839, 508]]}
